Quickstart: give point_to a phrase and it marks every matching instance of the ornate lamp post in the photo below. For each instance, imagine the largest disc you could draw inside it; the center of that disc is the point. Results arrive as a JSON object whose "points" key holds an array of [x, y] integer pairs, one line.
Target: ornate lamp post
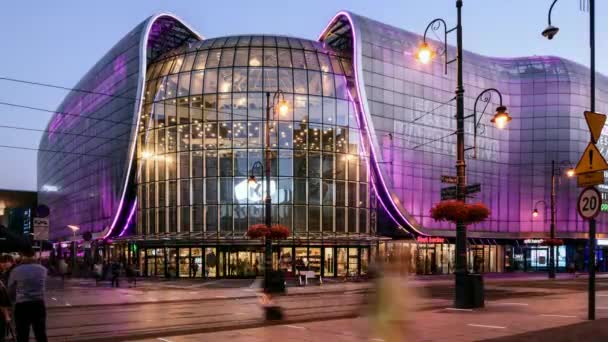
{"points": [[278, 104], [565, 166], [463, 293], [74, 229]]}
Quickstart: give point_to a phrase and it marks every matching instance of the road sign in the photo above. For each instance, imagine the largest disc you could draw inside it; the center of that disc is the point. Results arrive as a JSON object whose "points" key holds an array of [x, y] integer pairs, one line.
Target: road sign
{"points": [[41, 228], [590, 179], [449, 193], [589, 203], [595, 122], [449, 179], [473, 188], [591, 161]]}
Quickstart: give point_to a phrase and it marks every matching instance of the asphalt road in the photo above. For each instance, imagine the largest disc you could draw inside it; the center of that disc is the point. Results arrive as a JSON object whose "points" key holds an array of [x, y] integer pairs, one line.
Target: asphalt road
{"points": [[167, 317]]}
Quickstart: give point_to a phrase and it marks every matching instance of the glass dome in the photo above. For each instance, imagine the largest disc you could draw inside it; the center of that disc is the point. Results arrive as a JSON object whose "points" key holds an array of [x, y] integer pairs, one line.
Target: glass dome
{"points": [[202, 132]]}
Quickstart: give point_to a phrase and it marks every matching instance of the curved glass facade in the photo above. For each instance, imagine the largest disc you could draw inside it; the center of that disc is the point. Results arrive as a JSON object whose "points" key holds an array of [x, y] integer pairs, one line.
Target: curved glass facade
{"points": [[409, 111], [202, 134], [85, 155]]}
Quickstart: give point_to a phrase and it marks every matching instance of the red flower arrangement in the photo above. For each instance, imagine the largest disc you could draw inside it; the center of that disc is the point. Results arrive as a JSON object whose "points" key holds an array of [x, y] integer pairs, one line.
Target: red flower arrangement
{"points": [[258, 231], [453, 211], [279, 232], [553, 242], [276, 231]]}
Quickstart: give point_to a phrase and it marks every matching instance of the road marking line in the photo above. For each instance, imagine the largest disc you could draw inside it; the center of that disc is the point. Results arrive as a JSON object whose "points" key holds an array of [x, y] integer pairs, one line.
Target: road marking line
{"points": [[163, 339], [68, 304], [521, 304], [221, 297], [602, 308], [295, 327], [457, 309], [486, 326], [602, 295], [563, 316], [377, 339]]}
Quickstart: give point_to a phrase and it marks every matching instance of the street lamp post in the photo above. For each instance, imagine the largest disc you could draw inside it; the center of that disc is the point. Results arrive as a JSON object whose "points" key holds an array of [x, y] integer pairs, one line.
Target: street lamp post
{"points": [[74, 229], [555, 172], [424, 55], [278, 102], [463, 292], [550, 32]]}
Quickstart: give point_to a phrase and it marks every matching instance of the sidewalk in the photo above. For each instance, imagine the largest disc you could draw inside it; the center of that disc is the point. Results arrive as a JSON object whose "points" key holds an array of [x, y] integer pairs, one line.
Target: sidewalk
{"points": [[83, 292]]}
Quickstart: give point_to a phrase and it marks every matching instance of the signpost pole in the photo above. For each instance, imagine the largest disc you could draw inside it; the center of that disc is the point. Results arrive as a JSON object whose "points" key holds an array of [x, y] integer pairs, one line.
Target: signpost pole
{"points": [[592, 241]]}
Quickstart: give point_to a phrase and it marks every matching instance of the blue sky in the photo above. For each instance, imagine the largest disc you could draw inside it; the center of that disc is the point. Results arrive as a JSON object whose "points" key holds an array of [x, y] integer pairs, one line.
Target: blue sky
{"points": [[58, 41]]}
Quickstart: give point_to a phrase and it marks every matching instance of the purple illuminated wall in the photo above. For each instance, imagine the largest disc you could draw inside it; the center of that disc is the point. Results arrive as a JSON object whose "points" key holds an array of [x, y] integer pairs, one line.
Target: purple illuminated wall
{"points": [[86, 179], [409, 119]]}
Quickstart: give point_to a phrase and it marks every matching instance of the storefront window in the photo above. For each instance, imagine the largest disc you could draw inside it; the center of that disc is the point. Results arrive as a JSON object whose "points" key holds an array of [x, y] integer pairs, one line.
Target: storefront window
{"points": [[211, 262], [172, 263], [353, 261], [196, 263], [286, 261], [364, 260], [329, 262], [314, 260], [184, 263], [301, 259], [341, 259]]}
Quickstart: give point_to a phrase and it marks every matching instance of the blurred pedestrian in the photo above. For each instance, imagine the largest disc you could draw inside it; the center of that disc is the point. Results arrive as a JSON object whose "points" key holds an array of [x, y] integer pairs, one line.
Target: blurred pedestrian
{"points": [[115, 269], [131, 275], [26, 287], [62, 267], [6, 265], [392, 302], [98, 272]]}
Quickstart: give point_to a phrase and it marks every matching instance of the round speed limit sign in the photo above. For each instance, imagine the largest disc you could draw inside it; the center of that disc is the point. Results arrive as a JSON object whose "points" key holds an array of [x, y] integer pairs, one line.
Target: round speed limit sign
{"points": [[589, 203]]}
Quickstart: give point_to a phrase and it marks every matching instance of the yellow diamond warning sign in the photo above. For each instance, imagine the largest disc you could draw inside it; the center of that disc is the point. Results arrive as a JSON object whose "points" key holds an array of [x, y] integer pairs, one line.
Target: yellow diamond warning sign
{"points": [[591, 161], [595, 122]]}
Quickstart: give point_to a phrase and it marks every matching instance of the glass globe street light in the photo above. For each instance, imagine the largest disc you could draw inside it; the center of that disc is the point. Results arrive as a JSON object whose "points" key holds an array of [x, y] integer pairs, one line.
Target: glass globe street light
{"points": [[424, 54], [535, 213], [500, 119]]}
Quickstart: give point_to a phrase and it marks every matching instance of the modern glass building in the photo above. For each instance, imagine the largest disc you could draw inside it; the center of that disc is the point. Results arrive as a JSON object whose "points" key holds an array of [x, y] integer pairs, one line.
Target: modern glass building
{"points": [[152, 150]]}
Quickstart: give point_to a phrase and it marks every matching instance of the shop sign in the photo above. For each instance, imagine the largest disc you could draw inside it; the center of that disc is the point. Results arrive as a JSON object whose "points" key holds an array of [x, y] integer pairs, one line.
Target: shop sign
{"points": [[533, 241], [602, 242], [429, 239]]}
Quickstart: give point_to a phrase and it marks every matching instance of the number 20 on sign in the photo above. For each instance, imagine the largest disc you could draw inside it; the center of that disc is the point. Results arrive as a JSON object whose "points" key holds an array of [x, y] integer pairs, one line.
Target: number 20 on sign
{"points": [[589, 203]]}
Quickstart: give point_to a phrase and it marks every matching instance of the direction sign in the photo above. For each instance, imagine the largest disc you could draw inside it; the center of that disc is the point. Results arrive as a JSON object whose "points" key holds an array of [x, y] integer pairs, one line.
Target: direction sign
{"points": [[589, 203], [591, 161], [451, 192], [595, 122], [590, 179], [473, 188], [449, 179], [448, 193]]}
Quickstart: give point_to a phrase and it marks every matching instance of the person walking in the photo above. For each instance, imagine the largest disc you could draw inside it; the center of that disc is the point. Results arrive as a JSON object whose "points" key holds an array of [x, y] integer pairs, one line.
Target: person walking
{"points": [[98, 272], [26, 287], [6, 265], [115, 272]]}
